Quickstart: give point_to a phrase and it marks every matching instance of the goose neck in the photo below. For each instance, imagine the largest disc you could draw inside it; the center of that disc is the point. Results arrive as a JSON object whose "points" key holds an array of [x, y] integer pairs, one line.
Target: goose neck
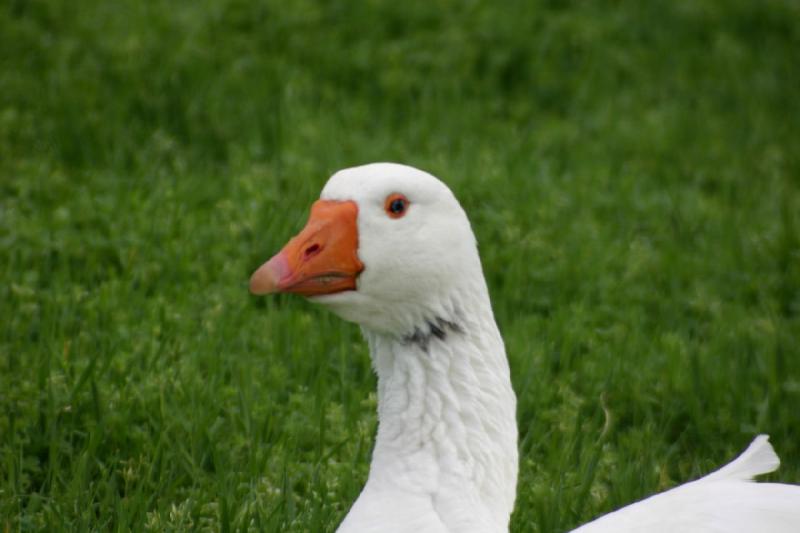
{"points": [[446, 413]]}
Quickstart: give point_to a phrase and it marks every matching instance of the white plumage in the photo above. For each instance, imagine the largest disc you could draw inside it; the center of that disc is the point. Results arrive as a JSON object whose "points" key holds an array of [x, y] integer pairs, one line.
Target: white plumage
{"points": [[445, 457], [724, 501]]}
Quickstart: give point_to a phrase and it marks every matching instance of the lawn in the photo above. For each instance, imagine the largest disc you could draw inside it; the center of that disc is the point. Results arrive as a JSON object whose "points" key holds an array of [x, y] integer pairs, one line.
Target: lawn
{"points": [[631, 169]]}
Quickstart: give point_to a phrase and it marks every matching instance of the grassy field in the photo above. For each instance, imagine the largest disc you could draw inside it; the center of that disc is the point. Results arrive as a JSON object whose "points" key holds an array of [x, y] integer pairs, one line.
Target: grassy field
{"points": [[632, 170]]}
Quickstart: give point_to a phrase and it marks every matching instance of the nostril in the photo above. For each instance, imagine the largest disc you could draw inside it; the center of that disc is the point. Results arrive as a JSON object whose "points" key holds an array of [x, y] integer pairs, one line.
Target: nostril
{"points": [[311, 251]]}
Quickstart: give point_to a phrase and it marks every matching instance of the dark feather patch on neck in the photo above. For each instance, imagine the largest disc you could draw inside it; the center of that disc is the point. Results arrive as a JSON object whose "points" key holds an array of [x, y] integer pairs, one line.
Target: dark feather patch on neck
{"points": [[438, 327]]}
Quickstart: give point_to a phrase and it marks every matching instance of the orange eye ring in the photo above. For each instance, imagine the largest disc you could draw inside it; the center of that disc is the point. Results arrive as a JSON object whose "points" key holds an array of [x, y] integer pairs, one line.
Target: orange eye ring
{"points": [[396, 205]]}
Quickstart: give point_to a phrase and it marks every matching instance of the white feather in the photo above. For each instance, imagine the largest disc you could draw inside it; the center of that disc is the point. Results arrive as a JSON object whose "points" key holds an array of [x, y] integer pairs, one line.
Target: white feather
{"points": [[759, 458]]}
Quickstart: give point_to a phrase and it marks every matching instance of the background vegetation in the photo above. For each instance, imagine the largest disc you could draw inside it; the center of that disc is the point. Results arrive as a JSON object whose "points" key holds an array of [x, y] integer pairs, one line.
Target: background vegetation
{"points": [[632, 170]]}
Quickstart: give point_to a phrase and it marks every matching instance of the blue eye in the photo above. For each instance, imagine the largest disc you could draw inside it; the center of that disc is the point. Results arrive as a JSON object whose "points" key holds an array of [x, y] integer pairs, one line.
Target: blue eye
{"points": [[396, 205]]}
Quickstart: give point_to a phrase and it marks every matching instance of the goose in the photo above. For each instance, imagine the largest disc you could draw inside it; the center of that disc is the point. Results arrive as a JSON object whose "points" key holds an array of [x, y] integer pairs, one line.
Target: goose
{"points": [[389, 247]]}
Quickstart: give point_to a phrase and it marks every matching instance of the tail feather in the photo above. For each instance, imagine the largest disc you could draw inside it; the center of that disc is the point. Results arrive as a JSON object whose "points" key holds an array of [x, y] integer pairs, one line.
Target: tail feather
{"points": [[759, 458]]}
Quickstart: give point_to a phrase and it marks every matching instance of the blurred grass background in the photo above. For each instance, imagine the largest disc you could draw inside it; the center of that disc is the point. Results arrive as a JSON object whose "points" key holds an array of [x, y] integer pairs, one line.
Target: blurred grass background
{"points": [[632, 170]]}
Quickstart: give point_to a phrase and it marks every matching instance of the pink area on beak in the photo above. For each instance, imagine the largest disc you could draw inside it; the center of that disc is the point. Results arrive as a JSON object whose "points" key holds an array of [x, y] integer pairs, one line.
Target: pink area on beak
{"points": [[269, 275]]}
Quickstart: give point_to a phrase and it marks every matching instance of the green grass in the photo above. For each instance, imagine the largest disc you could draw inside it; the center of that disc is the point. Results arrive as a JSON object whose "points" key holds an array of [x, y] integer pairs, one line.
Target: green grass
{"points": [[631, 169]]}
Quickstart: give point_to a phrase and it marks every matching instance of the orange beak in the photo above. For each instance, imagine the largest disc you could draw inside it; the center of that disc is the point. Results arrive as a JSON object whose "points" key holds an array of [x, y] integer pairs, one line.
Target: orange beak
{"points": [[321, 259]]}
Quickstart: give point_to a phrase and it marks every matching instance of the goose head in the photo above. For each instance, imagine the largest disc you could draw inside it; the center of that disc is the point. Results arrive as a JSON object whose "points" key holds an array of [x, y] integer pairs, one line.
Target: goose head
{"points": [[386, 246], [389, 247]]}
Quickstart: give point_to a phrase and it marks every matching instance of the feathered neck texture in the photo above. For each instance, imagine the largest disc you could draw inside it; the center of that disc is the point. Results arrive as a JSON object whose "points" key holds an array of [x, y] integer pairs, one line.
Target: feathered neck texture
{"points": [[446, 412]]}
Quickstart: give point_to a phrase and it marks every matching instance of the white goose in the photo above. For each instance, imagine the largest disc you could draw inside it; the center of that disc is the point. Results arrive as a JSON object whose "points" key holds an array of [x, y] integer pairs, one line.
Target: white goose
{"points": [[389, 247]]}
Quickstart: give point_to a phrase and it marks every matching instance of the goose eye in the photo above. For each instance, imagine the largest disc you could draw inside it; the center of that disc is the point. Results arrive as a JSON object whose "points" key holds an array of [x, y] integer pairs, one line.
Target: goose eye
{"points": [[396, 205]]}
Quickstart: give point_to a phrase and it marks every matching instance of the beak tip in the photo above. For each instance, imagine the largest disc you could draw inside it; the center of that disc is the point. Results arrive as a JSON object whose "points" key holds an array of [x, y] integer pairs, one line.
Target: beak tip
{"points": [[267, 278], [258, 287]]}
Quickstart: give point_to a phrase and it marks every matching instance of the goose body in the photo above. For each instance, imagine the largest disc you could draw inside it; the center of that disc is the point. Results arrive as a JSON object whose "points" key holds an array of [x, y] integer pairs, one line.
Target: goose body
{"points": [[389, 247]]}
